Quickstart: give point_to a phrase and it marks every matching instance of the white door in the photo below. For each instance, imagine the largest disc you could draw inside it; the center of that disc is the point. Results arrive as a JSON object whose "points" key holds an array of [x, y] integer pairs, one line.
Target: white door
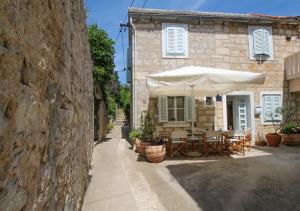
{"points": [[241, 112]]}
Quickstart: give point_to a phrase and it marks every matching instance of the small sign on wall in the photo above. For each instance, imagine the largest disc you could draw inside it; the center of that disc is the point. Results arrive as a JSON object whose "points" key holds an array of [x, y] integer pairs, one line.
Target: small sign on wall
{"points": [[209, 101], [219, 98]]}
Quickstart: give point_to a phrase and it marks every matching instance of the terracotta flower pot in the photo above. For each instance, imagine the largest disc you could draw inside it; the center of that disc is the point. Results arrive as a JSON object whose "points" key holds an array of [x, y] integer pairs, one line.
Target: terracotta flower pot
{"points": [[273, 139], [140, 146], [291, 139], [155, 154]]}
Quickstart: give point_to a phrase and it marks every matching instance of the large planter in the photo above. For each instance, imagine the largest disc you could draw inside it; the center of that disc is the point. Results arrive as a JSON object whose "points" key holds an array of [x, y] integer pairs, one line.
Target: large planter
{"points": [[291, 139], [141, 146], [273, 139], [156, 153]]}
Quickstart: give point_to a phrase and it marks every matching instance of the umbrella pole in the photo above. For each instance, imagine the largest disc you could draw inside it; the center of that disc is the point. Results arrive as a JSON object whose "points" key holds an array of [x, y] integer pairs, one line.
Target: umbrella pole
{"points": [[193, 125]]}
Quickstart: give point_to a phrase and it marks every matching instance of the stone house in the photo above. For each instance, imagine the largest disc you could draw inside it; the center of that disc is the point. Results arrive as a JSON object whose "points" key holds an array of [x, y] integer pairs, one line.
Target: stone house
{"points": [[161, 40]]}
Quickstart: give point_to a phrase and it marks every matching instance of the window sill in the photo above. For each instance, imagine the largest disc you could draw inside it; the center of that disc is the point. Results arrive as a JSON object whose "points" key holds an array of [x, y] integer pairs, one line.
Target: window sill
{"points": [[175, 57], [177, 124]]}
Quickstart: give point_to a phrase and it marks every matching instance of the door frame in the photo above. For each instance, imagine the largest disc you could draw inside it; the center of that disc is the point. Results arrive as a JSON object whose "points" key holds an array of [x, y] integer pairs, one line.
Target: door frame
{"points": [[252, 117]]}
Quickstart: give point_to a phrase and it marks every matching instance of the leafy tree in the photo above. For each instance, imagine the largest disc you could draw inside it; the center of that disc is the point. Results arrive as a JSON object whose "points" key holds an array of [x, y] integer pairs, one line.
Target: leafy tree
{"points": [[102, 53], [125, 99]]}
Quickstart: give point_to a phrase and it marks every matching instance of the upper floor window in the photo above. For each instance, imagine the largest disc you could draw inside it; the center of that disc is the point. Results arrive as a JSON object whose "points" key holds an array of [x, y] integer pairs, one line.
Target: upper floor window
{"points": [[260, 43], [174, 40]]}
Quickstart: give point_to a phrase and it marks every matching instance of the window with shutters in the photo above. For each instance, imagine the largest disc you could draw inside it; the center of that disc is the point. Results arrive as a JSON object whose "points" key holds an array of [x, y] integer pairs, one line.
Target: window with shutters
{"points": [[175, 109], [174, 40], [260, 43], [270, 104]]}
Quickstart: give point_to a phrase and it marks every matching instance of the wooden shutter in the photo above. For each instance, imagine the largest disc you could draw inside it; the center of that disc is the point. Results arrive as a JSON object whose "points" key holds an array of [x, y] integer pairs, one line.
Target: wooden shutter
{"points": [[189, 107], [180, 40], [258, 48], [268, 108], [261, 43], [162, 109], [171, 40], [276, 105], [266, 42]]}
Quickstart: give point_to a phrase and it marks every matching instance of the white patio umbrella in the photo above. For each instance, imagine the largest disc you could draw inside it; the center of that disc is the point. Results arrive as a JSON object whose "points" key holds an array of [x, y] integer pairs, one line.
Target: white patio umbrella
{"points": [[200, 81], [206, 81]]}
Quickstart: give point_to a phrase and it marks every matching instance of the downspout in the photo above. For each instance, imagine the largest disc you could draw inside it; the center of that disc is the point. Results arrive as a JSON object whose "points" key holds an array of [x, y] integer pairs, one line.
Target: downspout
{"points": [[134, 97]]}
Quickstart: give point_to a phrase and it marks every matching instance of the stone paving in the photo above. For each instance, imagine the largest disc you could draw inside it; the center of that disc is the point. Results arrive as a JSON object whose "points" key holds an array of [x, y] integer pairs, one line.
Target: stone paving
{"points": [[265, 179]]}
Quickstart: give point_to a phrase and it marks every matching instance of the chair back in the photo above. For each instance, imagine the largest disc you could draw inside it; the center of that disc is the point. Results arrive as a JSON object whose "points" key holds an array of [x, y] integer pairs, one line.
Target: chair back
{"points": [[179, 134], [247, 132], [235, 133], [213, 135]]}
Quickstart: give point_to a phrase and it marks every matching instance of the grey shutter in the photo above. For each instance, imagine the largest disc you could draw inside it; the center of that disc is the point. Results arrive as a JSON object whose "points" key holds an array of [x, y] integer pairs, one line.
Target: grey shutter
{"points": [[266, 42], [189, 107], [258, 48], [268, 108], [261, 42], [162, 109], [180, 40], [171, 40]]}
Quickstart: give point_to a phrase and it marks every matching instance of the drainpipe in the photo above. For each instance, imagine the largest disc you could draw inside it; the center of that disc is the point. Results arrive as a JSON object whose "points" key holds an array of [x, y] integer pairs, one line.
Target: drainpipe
{"points": [[134, 97]]}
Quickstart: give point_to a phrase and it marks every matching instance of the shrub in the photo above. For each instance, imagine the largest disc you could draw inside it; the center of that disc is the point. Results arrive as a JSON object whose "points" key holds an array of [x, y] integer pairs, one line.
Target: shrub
{"points": [[134, 134], [110, 126], [291, 128]]}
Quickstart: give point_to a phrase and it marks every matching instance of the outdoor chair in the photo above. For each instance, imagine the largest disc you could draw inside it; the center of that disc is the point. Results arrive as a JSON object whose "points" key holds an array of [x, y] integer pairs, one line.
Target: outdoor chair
{"points": [[248, 138], [177, 142], [235, 142], [164, 135], [212, 142]]}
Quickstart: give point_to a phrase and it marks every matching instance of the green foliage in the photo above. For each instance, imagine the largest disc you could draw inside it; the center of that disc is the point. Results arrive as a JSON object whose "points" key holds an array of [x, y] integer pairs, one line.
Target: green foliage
{"points": [[112, 105], [291, 128], [147, 127], [110, 126], [135, 134], [102, 54], [124, 102]]}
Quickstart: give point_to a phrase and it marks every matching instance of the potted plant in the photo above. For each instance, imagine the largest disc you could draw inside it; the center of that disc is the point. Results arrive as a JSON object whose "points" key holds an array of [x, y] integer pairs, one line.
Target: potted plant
{"points": [[290, 129], [274, 139], [155, 149], [134, 136], [291, 134]]}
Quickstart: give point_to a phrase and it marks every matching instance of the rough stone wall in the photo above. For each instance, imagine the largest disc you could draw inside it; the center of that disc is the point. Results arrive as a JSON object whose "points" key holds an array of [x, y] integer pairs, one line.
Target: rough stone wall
{"points": [[213, 44], [46, 105], [103, 120]]}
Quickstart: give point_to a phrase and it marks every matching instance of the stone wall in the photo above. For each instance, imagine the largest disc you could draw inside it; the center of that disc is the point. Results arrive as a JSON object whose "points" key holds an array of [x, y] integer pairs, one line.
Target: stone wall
{"points": [[46, 105], [212, 44]]}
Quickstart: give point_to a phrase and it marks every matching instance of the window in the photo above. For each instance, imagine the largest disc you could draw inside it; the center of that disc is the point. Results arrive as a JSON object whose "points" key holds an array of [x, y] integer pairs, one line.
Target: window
{"points": [[175, 40], [175, 109], [270, 103], [260, 43]]}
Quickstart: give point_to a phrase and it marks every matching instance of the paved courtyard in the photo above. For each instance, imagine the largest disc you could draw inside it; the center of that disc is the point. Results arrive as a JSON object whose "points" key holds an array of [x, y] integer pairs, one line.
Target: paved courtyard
{"points": [[266, 179]]}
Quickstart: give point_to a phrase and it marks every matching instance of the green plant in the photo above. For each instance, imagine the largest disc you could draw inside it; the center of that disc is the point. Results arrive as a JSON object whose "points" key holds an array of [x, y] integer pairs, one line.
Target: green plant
{"points": [[291, 128], [277, 124], [110, 126], [147, 127], [136, 133]]}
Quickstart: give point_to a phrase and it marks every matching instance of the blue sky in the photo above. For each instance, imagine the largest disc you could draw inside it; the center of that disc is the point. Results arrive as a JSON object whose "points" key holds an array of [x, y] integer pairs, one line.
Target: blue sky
{"points": [[109, 13]]}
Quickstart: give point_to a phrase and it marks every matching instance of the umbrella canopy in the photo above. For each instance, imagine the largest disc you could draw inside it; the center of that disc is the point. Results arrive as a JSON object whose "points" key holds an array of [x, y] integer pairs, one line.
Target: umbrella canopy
{"points": [[205, 81]]}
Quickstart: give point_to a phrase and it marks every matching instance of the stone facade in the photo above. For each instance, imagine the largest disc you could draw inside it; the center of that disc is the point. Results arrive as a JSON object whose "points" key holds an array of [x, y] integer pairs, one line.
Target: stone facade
{"points": [[212, 43], [46, 105]]}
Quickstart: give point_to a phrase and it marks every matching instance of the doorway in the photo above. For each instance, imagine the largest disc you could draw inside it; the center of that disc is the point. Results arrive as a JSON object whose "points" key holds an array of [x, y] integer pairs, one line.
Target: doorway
{"points": [[238, 112]]}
